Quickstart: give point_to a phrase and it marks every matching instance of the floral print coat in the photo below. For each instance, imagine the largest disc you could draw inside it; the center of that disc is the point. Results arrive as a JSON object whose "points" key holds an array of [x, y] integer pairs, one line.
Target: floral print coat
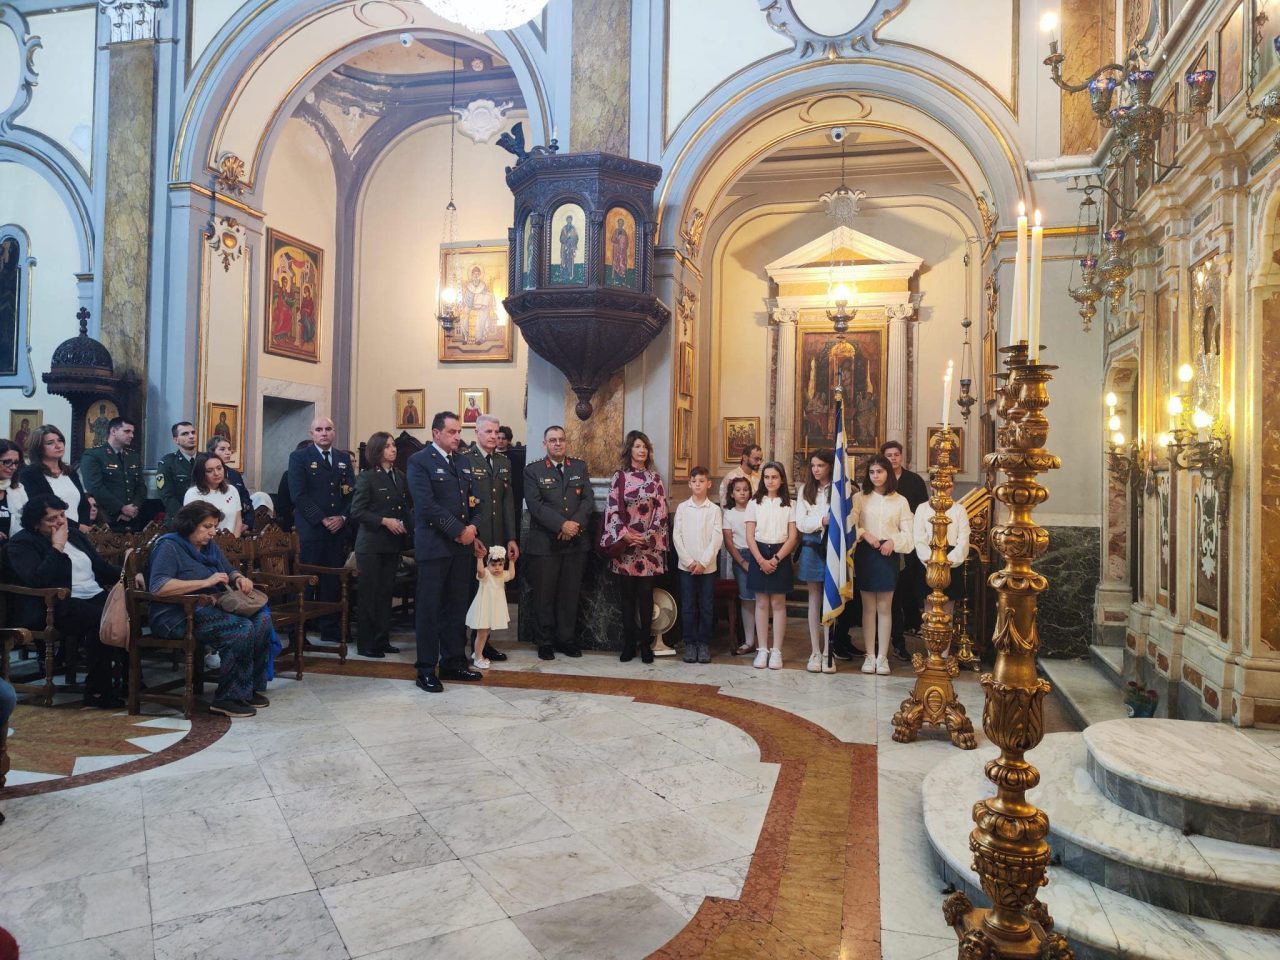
{"points": [[637, 502]]}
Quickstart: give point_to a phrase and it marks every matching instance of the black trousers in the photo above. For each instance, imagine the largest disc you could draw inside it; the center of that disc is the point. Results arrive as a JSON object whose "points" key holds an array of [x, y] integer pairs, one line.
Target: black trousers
{"points": [[441, 612], [849, 618], [556, 581], [81, 619], [329, 552], [637, 612], [906, 603], [376, 584]]}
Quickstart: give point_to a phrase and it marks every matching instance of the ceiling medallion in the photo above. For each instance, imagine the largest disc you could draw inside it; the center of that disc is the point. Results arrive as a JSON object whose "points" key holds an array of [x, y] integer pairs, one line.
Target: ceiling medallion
{"points": [[485, 15], [783, 18], [481, 119]]}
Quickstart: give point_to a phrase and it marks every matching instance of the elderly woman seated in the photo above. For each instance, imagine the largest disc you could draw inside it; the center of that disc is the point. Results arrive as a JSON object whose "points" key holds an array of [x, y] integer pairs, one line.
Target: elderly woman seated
{"points": [[188, 561], [49, 552]]}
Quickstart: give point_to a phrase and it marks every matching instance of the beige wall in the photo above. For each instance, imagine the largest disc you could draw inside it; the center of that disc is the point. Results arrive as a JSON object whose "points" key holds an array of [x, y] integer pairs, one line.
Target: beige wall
{"points": [[399, 229]]}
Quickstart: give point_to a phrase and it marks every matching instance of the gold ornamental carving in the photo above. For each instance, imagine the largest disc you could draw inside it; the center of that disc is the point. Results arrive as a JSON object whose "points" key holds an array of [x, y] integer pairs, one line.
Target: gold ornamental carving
{"points": [[1010, 854], [225, 236], [691, 233], [230, 178], [933, 700]]}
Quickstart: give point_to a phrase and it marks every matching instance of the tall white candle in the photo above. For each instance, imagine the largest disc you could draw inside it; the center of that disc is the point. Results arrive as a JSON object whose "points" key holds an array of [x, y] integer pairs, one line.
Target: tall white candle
{"points": [[1037, 261], [1018, 320], [946, 395]]}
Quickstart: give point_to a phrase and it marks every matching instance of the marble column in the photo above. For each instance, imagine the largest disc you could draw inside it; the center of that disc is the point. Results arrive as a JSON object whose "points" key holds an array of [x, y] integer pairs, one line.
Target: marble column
{"points": [[896, 413], [129, 176], [783, 381]]}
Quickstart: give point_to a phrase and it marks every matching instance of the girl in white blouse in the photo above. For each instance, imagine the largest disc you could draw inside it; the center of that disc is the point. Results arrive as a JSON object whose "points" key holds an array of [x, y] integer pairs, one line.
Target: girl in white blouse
{"points": [[735, 546], [771, 537], [813, 513], [885, 529]]}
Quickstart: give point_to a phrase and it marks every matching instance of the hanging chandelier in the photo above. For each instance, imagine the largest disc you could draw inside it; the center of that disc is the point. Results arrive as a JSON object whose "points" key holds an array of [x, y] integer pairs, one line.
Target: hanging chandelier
{"points": [[448, 310], [485, 15], [1088, 292]]}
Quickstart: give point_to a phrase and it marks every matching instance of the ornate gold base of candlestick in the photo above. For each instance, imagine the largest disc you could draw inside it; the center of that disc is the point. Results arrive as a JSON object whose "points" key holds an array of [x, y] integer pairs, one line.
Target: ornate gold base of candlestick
{"points": [[1041, 943], [933, 700]]}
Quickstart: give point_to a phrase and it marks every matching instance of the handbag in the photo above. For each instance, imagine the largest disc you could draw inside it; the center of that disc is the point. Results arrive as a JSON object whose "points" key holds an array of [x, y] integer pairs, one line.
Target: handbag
{"points": [[113, 628], [240, 603]]}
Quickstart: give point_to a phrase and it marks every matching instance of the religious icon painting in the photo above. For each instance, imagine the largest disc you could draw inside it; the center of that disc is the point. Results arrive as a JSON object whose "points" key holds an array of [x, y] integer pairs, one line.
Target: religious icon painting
{"points": [[856, 363], [472, 404], [410, 405], [686, 369], [11, 299], [21, 423], [529, 255], [224, 424], [295, 280], [1231, 57], [739, 433], [568, 266], [684, 435], [96, 420], [482, 333], [620, 249]]}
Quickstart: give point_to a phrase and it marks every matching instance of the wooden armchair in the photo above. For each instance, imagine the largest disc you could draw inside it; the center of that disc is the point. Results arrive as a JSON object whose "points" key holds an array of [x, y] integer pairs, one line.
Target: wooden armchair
{"points": [[137, 602], [46, 635], [262, 516], [111, 546], [272, 570], [9, 637]]}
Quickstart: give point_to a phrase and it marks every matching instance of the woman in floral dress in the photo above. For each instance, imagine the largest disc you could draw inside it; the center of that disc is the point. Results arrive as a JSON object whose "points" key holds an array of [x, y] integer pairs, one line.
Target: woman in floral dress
{"points": [[636, 515]]}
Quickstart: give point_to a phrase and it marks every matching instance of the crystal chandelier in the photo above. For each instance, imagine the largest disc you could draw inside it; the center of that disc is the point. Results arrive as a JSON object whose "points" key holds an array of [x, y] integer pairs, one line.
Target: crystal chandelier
{"points": [[485, 15]]}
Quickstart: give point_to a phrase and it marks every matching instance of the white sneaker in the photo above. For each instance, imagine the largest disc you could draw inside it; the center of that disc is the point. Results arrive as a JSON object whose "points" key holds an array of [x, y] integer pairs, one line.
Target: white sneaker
{"points": [[815, 663], [212, 661], [869, 664], [481, 663], [828, 664], [775, 659], [882, 666], [762, 658]]}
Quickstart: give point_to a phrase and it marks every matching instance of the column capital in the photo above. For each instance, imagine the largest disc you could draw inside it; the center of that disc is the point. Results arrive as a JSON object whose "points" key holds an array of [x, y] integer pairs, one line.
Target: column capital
{"points": [[131, 19], [780, 315]]}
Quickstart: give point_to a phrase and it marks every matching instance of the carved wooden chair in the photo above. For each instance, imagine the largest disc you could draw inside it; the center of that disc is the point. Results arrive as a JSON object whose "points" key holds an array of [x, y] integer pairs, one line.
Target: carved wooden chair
{"points": [[9, 638], [272, 570], [38, 636], [262, 516], [138, 602], [111, 546]]}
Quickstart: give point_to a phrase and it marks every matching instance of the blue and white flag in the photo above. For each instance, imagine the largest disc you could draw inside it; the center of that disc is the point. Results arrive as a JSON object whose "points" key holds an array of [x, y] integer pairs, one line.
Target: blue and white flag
{"points": [[837, 584]]}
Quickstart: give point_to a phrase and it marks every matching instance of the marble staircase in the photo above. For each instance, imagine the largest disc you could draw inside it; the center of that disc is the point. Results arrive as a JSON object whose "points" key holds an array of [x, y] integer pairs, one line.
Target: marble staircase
{"points": [[1165, 834]]}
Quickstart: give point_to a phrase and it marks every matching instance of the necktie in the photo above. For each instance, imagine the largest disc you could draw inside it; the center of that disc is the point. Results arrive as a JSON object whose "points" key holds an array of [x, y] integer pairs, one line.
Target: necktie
{"points": [[560, 470], [489, 460], [327, 461]]}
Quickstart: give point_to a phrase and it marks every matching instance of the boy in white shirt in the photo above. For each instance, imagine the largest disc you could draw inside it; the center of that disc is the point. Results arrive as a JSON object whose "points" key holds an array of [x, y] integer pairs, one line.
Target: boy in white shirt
{"points": [[698, 536]]}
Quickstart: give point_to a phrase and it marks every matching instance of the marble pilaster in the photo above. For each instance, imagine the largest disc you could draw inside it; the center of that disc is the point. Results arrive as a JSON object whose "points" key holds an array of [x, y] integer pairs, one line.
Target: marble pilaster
{"points": [[1269, 489], [895, 427], [783, 415]]}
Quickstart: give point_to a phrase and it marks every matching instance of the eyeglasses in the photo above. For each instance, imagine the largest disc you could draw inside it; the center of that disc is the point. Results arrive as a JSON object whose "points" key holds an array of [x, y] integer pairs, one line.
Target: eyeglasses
{"points": [[6, 462]]}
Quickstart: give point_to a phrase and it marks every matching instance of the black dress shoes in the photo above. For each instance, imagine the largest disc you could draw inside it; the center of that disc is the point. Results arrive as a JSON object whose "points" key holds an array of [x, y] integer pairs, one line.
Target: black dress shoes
{"points": [[460, 673], [388, 648], [493, 653], [567, 650], [546, 653], [430, 683], [646, 654], [376, 654]]}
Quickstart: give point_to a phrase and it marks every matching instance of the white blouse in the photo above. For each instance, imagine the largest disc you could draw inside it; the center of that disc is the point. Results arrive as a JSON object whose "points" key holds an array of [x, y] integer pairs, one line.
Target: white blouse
{"points": [[64, 488], [735, 521], [772, 519], [808, 515], [888, 518], [957, 533], [228, 503]]}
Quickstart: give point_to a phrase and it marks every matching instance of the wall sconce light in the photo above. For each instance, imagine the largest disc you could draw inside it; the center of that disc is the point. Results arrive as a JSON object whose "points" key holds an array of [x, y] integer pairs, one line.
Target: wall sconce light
{"points": [[1128, 462], [1197, 439], [1267, 108]]}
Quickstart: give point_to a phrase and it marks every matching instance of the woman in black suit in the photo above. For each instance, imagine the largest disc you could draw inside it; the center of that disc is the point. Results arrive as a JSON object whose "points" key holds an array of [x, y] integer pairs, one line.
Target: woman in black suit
{"points": [[381, 510], [47, 475]]}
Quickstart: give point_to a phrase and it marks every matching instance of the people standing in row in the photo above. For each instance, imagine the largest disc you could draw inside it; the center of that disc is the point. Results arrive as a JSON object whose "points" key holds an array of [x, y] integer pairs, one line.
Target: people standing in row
{"points": [[885, 529], [321, 483], [734, 517], [496, 518], [636, 515], [173, 472], [560, 501], [771, 537], [957, 540], [445, 508], [220, 447], [46, 473], [112, 475], [748, 467], [382, 514], [698, 534], [813, 514], [12, 494], [906, 609]]}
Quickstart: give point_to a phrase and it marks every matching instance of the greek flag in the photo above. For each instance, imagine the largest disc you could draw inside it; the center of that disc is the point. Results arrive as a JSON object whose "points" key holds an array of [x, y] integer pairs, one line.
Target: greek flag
{"points": [[837, 586]]}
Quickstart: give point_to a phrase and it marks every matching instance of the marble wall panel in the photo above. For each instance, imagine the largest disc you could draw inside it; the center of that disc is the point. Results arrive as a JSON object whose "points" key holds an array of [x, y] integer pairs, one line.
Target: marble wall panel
{"points": [[1088, 32], [1208, 547], [1269, 489], [601, 77], [1066, 608], [1117, 530], [598, 440]]}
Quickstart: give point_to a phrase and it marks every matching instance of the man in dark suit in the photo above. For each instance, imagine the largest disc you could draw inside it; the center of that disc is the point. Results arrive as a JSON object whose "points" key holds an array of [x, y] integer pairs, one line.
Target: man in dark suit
{"points": [[321, 482], [446, 510], [496, 521], [906, 603], [557, 490]]}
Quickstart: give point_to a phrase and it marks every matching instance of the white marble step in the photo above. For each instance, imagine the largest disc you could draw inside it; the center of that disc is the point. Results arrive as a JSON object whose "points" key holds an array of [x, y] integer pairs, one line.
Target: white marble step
{"points": [[1086, 693], [1109, 661], [1099, 922], [1145, 859], [1205, 778]]}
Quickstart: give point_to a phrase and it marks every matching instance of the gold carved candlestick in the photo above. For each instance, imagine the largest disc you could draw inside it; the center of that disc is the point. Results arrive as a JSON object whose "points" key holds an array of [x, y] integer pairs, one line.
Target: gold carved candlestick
{"points": [[1009, 850], [933, 699]]}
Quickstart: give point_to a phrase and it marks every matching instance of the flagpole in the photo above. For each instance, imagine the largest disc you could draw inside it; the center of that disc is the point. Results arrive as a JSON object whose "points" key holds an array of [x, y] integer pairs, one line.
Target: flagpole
{"points": [[837, 584]]}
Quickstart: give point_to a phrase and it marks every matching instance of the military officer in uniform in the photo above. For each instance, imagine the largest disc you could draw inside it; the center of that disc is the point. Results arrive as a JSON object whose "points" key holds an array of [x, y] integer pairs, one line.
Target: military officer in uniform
{"points": [[446, 511], [381, 514], [558, 493], [173, 475], [112, 475], [496, 523], [321, 482]]}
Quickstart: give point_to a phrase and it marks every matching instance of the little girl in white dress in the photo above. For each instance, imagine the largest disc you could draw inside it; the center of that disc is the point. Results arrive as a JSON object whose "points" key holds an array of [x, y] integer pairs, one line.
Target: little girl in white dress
{"points": [[489, 608]]}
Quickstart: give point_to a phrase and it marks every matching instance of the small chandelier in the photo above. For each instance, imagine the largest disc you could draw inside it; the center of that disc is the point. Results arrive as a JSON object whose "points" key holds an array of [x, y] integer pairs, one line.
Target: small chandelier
{"points": [[841, 297], [485, 15], [1088, 292], [1116, 266], [448, 311], [966, 399]]}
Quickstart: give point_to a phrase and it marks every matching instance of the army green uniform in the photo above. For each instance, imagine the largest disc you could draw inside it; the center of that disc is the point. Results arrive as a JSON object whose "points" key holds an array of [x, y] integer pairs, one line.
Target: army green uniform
{"points": [[555, 569], [173, 477], [492, 483], [113, 479]]}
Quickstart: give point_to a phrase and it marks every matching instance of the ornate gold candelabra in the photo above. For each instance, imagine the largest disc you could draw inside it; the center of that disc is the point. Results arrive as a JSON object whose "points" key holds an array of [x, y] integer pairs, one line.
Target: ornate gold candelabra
{"points": [[1009, 850], [933, 699]]}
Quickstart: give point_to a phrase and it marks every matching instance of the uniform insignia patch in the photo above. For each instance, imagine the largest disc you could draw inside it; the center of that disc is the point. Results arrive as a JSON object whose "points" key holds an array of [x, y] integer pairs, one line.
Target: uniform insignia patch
{"points": [[160, 481]]}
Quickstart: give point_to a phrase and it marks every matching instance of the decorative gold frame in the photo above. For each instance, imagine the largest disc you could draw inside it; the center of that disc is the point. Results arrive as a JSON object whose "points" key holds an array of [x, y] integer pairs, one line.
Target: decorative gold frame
{"points": [[463, 249], [817, 323], [465, 394], [686, 374], [236, 424], [726, 424], [419, 396], [275, 237]]}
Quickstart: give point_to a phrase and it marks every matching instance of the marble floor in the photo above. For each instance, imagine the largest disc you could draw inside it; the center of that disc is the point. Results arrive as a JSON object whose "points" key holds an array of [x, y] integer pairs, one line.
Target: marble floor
{"points": [[573, 809]]}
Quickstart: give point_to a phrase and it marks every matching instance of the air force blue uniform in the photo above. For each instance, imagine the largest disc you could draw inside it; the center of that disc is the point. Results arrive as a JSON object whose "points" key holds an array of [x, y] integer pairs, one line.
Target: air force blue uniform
{"points": [[322, 489], [445, 502]]}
